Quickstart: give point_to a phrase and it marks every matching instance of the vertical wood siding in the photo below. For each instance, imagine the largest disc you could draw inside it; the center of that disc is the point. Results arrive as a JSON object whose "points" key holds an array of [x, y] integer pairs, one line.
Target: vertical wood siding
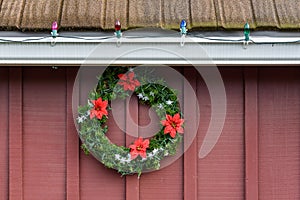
{"points": [[4, 77], [256, 157], [167, 183], [96, 180], [15, 132], [221, 173], [279, 134], [44, 133], [251, 133]]}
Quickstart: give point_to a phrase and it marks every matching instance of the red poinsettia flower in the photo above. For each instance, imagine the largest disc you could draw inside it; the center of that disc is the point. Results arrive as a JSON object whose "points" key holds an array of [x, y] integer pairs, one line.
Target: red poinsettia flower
{"points": [[139, 148], [99, 108], [128, 81], [173, 125]]}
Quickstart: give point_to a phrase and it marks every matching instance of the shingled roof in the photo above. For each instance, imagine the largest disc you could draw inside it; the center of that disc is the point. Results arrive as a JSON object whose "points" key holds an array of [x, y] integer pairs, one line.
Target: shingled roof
{"points": [[101, 14]]}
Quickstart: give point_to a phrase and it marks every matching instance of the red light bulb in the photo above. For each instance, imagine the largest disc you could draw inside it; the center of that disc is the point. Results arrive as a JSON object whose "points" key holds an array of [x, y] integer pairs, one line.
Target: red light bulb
{"points": [[117, 25]]}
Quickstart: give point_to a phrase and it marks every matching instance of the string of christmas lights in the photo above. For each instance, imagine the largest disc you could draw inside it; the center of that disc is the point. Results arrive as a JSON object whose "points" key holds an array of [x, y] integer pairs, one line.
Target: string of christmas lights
{"points": [[119, 35]]}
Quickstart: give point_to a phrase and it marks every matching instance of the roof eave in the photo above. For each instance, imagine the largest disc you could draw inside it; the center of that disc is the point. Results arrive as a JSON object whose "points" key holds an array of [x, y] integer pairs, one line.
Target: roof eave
{"points": [[158, 51]]}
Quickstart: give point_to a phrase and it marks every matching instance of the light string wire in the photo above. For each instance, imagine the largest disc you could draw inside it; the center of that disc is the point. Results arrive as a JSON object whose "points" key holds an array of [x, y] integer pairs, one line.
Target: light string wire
{"points": [[189, 35]]}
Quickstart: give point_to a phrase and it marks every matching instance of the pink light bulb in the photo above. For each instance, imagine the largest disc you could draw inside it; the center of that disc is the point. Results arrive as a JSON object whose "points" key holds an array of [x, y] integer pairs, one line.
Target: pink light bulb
{"points": [[54, 25], [117, 25]]}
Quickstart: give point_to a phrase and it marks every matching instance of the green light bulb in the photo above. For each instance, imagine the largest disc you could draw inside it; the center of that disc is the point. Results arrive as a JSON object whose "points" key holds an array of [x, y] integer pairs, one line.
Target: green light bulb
{"points": [[247, 32]]}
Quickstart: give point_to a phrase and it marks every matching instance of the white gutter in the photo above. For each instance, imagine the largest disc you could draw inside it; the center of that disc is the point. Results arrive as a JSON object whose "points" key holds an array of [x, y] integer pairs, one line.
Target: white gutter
{"points": [[149, 50]]}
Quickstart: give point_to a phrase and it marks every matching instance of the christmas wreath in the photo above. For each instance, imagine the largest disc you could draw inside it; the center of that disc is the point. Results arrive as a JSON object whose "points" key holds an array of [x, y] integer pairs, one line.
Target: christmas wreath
{"points": [[142, 154]]}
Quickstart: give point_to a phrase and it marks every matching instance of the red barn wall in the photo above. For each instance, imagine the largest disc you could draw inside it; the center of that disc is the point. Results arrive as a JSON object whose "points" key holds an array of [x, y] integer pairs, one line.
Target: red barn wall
{"points": [[256, 157]]}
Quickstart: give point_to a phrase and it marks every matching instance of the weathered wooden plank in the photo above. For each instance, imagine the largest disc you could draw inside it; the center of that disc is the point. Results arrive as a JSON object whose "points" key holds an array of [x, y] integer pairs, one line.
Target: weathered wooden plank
{"points": [[44, 133], [4, 83], [251, 133], [279, 138], [221, 172], [15, 134], [72, 148], [190, 143]]}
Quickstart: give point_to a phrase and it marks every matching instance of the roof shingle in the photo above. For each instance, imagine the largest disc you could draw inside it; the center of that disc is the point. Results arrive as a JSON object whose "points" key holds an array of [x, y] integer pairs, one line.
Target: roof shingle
{"points": [[234, 14], [10, 13], [101, 14], [203, 14], [39, 14], [78, 14], [265, 13], [144, 13]]}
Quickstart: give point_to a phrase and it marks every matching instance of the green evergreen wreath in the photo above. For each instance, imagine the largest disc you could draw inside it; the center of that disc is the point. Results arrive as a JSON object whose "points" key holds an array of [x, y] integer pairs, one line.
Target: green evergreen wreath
{"points": [[142, 154]]}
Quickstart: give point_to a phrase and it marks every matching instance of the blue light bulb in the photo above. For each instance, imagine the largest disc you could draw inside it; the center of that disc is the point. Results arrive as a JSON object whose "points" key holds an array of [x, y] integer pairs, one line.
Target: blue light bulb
{"points": [[183, 29], [183, 24]]}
